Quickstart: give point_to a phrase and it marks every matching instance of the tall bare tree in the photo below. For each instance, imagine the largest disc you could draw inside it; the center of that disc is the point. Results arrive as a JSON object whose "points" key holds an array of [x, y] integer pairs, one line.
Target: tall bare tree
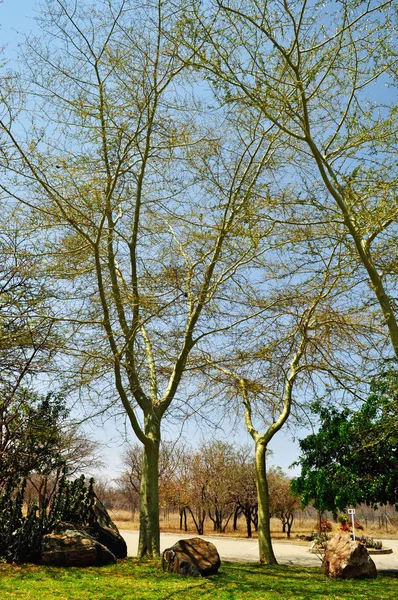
{"points": [[142, 205], [266, 371]]}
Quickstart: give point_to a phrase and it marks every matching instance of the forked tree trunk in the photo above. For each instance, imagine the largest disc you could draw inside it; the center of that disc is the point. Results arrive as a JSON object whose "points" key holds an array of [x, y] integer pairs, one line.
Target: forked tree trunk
{"points": [[267, 555], [149, 538], [290, 519], [199, 521]]}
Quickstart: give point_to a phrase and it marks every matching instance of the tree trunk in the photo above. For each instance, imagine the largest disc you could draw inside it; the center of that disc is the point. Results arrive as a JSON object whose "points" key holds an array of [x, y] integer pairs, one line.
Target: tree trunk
{"points": [[183, 515], [267, 555], [248, 522], [236, 516], [227, 520], [290, 519], [149, 537], [199, 522], [254, 513]]}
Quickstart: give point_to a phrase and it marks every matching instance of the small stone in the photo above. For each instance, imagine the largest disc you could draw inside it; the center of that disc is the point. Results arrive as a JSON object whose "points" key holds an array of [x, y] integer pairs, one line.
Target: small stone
{"points": [[347, 559], [194, 557]]}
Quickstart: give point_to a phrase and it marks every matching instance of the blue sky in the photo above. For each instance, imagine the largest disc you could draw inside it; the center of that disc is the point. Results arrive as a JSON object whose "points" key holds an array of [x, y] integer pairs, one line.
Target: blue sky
{"points": [[15, 16], [17, 19]]}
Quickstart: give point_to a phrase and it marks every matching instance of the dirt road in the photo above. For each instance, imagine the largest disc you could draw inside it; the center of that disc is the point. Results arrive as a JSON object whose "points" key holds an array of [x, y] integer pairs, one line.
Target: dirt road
{"points": [[235, 549]]}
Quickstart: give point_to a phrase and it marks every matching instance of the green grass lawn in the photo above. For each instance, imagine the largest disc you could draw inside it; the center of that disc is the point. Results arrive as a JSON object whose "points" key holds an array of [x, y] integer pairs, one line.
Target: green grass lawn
{"points": [[130, 579]]}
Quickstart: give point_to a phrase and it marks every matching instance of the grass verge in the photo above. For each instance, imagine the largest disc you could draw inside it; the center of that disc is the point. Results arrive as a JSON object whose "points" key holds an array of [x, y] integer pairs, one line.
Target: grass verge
{"points": [[133, 580]]}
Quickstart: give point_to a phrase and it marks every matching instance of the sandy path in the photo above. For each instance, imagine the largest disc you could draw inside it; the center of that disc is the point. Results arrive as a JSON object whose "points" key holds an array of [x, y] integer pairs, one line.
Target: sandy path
{"points": [[235, 549]]}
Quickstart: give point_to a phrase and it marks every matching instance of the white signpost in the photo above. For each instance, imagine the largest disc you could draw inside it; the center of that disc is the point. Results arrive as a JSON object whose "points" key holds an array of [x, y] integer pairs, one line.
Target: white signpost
{"points": [[351, 511]]}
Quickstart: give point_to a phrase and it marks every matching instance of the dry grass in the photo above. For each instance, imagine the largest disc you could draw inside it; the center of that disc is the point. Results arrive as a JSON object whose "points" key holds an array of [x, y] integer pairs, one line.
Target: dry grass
{"points": [[170, 523]]}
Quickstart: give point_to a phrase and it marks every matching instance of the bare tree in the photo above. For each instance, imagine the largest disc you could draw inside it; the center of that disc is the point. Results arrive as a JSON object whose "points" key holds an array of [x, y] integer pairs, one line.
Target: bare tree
{"points": [[139, 202], [244, 489], [282, 502], [309, 70], [75, 451], [278, 368]]}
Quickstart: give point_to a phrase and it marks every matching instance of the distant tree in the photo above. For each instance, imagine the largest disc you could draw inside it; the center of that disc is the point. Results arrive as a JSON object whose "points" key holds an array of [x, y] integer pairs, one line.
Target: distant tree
{"points": [[219, 461], [353, 458], [193, 497], [283, 503], [77, 452], [245, 491]]}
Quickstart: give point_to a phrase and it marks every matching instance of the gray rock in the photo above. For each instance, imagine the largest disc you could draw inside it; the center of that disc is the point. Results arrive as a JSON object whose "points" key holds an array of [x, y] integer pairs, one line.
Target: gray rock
{"points": [[105, 531], [68, 546], [194, 557], [347, 559]]}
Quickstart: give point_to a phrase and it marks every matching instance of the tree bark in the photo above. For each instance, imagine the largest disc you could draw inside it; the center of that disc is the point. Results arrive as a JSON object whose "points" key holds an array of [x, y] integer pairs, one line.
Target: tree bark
{"points": [[267, 555], [290, 519], [149, 536], [236, 516], [199, 522], [248, 523], [254, 513], [183, 515]]}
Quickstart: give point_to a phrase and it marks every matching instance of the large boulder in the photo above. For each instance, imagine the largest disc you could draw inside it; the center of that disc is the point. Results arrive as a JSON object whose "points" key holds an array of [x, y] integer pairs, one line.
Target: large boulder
{"points": [[194, 557], [68, 546], [345, 559], [105, 531]]}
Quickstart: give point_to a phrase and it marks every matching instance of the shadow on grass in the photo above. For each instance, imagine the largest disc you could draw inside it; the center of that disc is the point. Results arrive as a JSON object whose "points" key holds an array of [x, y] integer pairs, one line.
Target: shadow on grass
{"points": [[191, 588], [389, 573], [234, 581], [281, 581]]}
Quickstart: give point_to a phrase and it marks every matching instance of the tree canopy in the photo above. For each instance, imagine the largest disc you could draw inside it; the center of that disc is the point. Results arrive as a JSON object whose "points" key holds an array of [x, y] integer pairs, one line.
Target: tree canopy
{"points": [[353, 458], [208, 188], [30, 434]]}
